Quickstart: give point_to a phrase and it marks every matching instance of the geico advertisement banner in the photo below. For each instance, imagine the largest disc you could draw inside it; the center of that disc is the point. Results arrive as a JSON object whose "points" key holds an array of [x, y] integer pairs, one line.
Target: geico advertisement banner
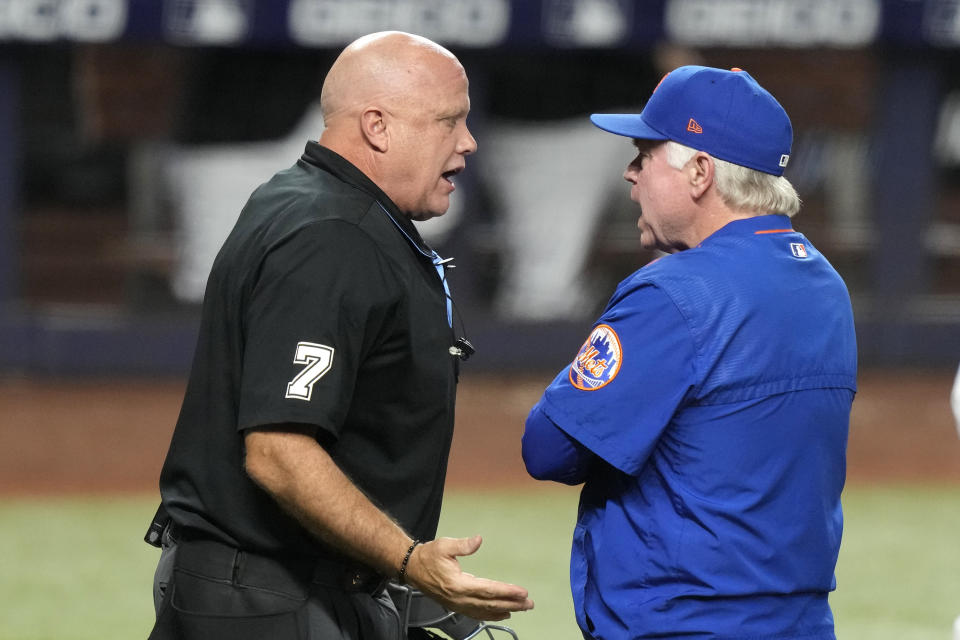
{"points": [[488, 23]]}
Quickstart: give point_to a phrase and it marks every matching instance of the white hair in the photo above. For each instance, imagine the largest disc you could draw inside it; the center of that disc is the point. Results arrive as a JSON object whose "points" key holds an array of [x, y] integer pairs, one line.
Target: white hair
{"points": [[743, 188]]}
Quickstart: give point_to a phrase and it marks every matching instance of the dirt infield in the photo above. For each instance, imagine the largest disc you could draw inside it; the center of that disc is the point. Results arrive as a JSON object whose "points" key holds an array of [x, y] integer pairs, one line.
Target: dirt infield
{"points": [[108, 436]]}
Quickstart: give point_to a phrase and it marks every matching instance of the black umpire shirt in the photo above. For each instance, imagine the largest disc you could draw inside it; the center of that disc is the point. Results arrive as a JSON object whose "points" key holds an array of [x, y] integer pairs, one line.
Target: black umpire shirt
{"points": [[323, 308]]}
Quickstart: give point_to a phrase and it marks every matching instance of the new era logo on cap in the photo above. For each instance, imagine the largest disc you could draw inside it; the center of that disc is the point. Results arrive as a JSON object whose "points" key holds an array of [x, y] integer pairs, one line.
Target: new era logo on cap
{"points": [[724, 113]]}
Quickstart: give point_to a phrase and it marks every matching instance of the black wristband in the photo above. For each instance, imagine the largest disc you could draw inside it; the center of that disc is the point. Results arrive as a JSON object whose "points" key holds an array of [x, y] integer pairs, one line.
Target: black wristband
{"points": [[402, 575]]}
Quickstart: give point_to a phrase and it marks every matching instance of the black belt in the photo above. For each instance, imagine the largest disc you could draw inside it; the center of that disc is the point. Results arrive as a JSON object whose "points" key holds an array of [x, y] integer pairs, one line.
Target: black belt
{"points": [[221, 561]]}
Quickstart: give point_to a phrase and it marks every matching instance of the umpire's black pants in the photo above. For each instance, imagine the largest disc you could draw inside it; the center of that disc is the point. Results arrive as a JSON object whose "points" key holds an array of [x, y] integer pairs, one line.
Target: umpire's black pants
{"points": [[210, 591]]}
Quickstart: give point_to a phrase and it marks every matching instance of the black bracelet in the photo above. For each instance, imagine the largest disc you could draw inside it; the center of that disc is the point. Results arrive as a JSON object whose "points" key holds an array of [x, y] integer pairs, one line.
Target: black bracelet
{"points": [[402, 576]]}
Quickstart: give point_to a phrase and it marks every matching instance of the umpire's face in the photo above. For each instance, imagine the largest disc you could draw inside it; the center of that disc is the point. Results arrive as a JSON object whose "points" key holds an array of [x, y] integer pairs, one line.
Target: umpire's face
{"points": [[431, 140]]}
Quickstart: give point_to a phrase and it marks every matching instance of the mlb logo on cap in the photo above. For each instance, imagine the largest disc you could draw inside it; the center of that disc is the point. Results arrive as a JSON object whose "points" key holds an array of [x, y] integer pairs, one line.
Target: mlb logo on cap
{"points": [[724, 113]]}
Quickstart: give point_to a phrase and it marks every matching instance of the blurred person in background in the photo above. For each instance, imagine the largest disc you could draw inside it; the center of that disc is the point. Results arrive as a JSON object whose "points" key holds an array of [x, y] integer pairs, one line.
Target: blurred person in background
{"points": [[955, 400], [707, 413], [308, 462], [550, 175], [536, 108]]}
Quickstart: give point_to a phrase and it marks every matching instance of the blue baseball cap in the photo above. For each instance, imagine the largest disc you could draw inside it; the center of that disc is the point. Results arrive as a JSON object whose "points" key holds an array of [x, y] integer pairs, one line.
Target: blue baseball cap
{"points": [[724, 113]]}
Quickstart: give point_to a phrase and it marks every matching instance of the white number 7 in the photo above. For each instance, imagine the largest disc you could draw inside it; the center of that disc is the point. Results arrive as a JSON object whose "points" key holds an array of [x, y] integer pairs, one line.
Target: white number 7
{"points": [[319, 359]]}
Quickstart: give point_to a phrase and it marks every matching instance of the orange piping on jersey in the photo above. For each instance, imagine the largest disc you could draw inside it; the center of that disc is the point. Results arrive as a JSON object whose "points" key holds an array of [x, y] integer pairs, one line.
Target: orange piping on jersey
{"points": [[773, 231]]}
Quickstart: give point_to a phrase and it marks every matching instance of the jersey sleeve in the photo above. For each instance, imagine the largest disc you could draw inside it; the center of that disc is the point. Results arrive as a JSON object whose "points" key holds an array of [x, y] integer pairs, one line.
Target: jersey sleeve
{"points": [[321, 300], [629, 377], [549, 453]]}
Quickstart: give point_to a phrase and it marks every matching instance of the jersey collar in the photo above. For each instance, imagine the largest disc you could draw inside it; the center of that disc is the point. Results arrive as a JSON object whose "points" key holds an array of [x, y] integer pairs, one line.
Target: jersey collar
{"points": [[338, 166], [750, 226]]}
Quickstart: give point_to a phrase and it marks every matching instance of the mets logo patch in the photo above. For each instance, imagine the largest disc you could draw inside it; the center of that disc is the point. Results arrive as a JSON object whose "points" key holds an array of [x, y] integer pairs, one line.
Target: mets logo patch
{"points": [[599, 359]]}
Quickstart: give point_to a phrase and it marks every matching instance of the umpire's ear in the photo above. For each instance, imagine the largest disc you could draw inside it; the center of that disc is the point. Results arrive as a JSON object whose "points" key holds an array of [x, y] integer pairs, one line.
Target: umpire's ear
{"points": [[373, 126]]}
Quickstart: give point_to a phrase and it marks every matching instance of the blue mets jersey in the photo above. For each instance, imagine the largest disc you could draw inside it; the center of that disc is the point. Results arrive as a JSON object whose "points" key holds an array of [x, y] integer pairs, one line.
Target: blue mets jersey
{"points": [[707, 413]]}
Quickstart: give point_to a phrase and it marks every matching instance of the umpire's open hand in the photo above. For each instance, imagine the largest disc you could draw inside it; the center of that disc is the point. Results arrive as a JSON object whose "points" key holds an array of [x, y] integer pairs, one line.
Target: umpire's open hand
{"points": [[434, 569]]}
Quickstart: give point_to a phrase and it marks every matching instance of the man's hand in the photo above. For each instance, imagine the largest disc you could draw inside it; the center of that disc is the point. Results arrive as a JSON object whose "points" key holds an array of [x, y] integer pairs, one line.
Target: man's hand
{"points": [[304, 480], [434, 569]]}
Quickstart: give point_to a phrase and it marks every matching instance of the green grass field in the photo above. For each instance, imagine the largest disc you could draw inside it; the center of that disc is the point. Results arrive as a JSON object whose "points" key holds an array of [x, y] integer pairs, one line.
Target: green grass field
{"points": [[76, 568]]}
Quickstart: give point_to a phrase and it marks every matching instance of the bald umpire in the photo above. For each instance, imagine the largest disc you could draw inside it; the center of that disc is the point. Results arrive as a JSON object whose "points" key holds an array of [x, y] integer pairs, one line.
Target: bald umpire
{"points": [[707, 412], [308, 462]]}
